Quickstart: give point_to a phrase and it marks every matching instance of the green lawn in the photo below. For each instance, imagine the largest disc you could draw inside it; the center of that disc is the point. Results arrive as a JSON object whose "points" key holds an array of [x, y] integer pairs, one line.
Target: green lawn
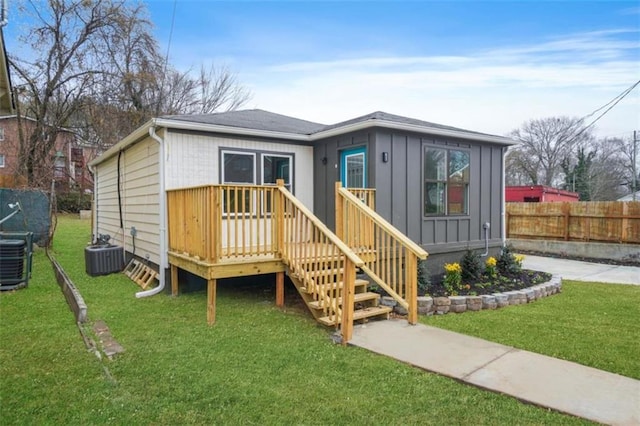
{"points": [[257, 365], [589, 323]]}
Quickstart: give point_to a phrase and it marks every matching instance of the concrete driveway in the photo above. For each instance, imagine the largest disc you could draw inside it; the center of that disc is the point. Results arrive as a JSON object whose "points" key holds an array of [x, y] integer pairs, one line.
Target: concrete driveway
{"points": [[584, 271]]}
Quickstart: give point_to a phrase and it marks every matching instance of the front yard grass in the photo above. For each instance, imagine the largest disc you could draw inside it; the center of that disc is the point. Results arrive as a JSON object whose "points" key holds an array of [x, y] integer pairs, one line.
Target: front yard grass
{"points": [[257, 365], [593, 324]]}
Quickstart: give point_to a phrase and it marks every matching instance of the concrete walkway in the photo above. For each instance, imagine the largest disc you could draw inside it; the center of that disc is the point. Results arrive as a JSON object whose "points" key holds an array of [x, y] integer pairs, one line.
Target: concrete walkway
{"points": [[549, 382], [584, 271]]}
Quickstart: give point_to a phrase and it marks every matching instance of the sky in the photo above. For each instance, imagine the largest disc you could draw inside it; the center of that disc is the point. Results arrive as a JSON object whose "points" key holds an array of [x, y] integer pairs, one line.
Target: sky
{"points": [[487, 66]]}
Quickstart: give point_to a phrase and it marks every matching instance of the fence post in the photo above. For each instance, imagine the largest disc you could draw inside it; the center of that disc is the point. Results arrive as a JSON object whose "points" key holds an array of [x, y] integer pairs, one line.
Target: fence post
{"points": [[339, 212], [347, 300], [624, 232], [566, 210]]}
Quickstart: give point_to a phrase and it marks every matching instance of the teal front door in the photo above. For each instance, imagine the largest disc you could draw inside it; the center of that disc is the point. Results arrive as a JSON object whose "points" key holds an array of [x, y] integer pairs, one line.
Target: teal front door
{"points": [[353, 167]]}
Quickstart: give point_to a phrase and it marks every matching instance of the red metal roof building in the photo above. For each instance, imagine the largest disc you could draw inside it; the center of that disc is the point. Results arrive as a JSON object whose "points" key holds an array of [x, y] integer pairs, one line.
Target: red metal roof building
{"points": [[538, 194]]}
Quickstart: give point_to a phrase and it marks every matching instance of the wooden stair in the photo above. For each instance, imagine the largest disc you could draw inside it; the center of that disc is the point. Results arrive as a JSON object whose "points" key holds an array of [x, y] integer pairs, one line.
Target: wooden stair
{"points": [[315, 284]]}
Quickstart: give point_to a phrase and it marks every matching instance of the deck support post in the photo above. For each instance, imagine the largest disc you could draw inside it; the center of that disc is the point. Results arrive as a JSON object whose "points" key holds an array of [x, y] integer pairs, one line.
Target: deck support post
{"points": [[347, 301], [411, 270], [174, 280], [211, 301], [280, 289]]}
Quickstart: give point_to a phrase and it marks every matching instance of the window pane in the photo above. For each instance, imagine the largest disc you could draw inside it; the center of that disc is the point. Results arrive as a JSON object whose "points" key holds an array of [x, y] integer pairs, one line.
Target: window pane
{"points": [[355, 170], [435, 164], [238, 168], [1, 160], [434, 198], [457, 198], [459, 166], [276, 167]]}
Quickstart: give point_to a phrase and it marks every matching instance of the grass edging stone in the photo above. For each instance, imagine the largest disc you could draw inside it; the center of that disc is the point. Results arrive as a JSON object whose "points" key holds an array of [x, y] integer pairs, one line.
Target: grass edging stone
{"points": [[71, 293], [442, 305]]}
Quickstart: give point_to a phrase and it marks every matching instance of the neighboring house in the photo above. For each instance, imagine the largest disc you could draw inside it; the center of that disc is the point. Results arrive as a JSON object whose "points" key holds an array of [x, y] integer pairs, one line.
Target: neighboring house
{"points": [[538, 194], [67, 165], [6, 95], [441, 186]]}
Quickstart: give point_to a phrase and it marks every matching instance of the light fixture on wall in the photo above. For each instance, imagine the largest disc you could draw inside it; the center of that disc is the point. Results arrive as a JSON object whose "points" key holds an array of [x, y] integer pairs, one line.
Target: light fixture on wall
{"points": [[385, 157], [324, 160]]}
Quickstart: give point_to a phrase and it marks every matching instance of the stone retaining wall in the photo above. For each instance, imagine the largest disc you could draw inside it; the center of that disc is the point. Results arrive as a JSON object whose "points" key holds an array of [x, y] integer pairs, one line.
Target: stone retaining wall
{"points": [[458, 304]]}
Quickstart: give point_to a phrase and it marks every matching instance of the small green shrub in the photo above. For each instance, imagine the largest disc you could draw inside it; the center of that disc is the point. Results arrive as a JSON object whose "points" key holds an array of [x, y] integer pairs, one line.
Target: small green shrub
{"points": [[507, 263], [424, 277], [73, 202], [471, 266]]}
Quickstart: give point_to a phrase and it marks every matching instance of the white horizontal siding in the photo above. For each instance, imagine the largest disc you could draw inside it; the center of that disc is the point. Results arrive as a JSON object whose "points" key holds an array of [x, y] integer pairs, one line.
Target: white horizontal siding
{"points": [[140, 200], [193, 160]]}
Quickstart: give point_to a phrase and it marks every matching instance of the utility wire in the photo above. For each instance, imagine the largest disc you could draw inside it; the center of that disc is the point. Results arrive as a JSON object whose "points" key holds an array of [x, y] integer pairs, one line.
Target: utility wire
{"points": [[166, 57], [617, 100], [612, 103]]}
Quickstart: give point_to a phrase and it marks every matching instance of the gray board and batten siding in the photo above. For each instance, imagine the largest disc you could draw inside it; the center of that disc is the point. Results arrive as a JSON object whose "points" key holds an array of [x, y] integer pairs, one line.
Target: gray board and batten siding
{"points": [[399, 188]]}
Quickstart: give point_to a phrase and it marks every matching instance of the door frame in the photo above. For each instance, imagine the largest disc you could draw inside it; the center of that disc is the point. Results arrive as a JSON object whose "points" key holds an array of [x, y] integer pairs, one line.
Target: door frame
{"points": [[346, 153]]}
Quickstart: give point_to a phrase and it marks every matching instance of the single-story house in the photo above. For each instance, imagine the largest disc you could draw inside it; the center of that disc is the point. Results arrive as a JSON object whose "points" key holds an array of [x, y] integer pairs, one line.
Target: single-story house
{"points": [[441, 186]]}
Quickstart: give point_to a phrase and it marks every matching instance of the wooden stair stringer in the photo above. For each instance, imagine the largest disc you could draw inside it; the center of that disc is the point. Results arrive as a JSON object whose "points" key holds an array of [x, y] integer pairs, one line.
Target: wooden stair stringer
{"points": [[306, 296]]}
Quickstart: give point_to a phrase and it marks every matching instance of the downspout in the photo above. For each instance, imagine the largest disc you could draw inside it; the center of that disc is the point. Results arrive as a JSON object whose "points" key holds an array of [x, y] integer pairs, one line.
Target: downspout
{"points": [[162, 196], [94, 210], [503, 207]]}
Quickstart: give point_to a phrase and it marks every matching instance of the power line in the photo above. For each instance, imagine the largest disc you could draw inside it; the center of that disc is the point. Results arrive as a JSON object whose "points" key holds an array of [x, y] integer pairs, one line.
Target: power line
{"points": [[612, 103], [166, 58]]}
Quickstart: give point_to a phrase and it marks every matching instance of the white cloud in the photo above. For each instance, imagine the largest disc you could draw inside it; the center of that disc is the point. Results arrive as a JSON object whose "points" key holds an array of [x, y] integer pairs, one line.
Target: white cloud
{"points": [[493, 90]]}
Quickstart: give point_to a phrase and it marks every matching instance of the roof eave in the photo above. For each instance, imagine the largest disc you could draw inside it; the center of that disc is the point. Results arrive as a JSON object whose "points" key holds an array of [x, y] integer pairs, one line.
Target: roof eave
{"points": [[142, 131], [132, 138], [216, 128], [412, 128]]}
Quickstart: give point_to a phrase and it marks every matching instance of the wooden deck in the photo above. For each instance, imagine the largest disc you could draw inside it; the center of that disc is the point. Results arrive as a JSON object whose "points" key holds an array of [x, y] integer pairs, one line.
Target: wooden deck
{"points": [[224, 231]]}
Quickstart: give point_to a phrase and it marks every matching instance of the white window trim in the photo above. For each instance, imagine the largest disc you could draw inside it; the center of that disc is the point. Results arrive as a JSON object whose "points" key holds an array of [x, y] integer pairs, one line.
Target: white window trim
{"points": [[288, 156], [2, 161], [222, 168]]}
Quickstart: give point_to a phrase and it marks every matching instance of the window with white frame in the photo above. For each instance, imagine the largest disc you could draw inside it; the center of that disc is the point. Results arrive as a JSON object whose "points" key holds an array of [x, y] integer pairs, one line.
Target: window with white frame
{"points": [[238, 168], [251, 167], [276, 167], [1, 160], [446, 181]]}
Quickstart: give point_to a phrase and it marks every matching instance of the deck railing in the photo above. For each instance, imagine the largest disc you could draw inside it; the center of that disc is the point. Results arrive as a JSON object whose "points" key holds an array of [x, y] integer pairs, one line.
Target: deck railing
{"points": [[219, 223], [319, 258], [391, 259]]}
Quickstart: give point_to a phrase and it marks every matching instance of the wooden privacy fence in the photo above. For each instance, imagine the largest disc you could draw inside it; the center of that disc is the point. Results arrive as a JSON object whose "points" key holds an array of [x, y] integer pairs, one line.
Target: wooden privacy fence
{"points": [[597, 221], [390, 258]]}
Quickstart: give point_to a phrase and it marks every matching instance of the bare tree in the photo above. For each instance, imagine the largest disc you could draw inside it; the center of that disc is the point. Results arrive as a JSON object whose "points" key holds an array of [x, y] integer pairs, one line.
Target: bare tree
{"points": [[97, 69], [544, 143], [623, 151], [66, 43]]}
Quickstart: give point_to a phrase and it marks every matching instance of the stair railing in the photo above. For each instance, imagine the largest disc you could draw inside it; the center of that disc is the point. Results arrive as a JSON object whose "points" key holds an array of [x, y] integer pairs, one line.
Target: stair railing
{"points": [[390, 257], [315, 255]]}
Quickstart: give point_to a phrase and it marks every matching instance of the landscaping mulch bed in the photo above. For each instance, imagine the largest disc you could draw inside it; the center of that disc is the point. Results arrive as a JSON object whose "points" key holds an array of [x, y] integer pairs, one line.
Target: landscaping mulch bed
{"points": [[526, 278]]}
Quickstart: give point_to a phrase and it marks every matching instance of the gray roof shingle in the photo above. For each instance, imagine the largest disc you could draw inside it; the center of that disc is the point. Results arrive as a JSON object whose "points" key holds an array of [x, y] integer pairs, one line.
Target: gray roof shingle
{"points": [[384, 116], [255, 119]]}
